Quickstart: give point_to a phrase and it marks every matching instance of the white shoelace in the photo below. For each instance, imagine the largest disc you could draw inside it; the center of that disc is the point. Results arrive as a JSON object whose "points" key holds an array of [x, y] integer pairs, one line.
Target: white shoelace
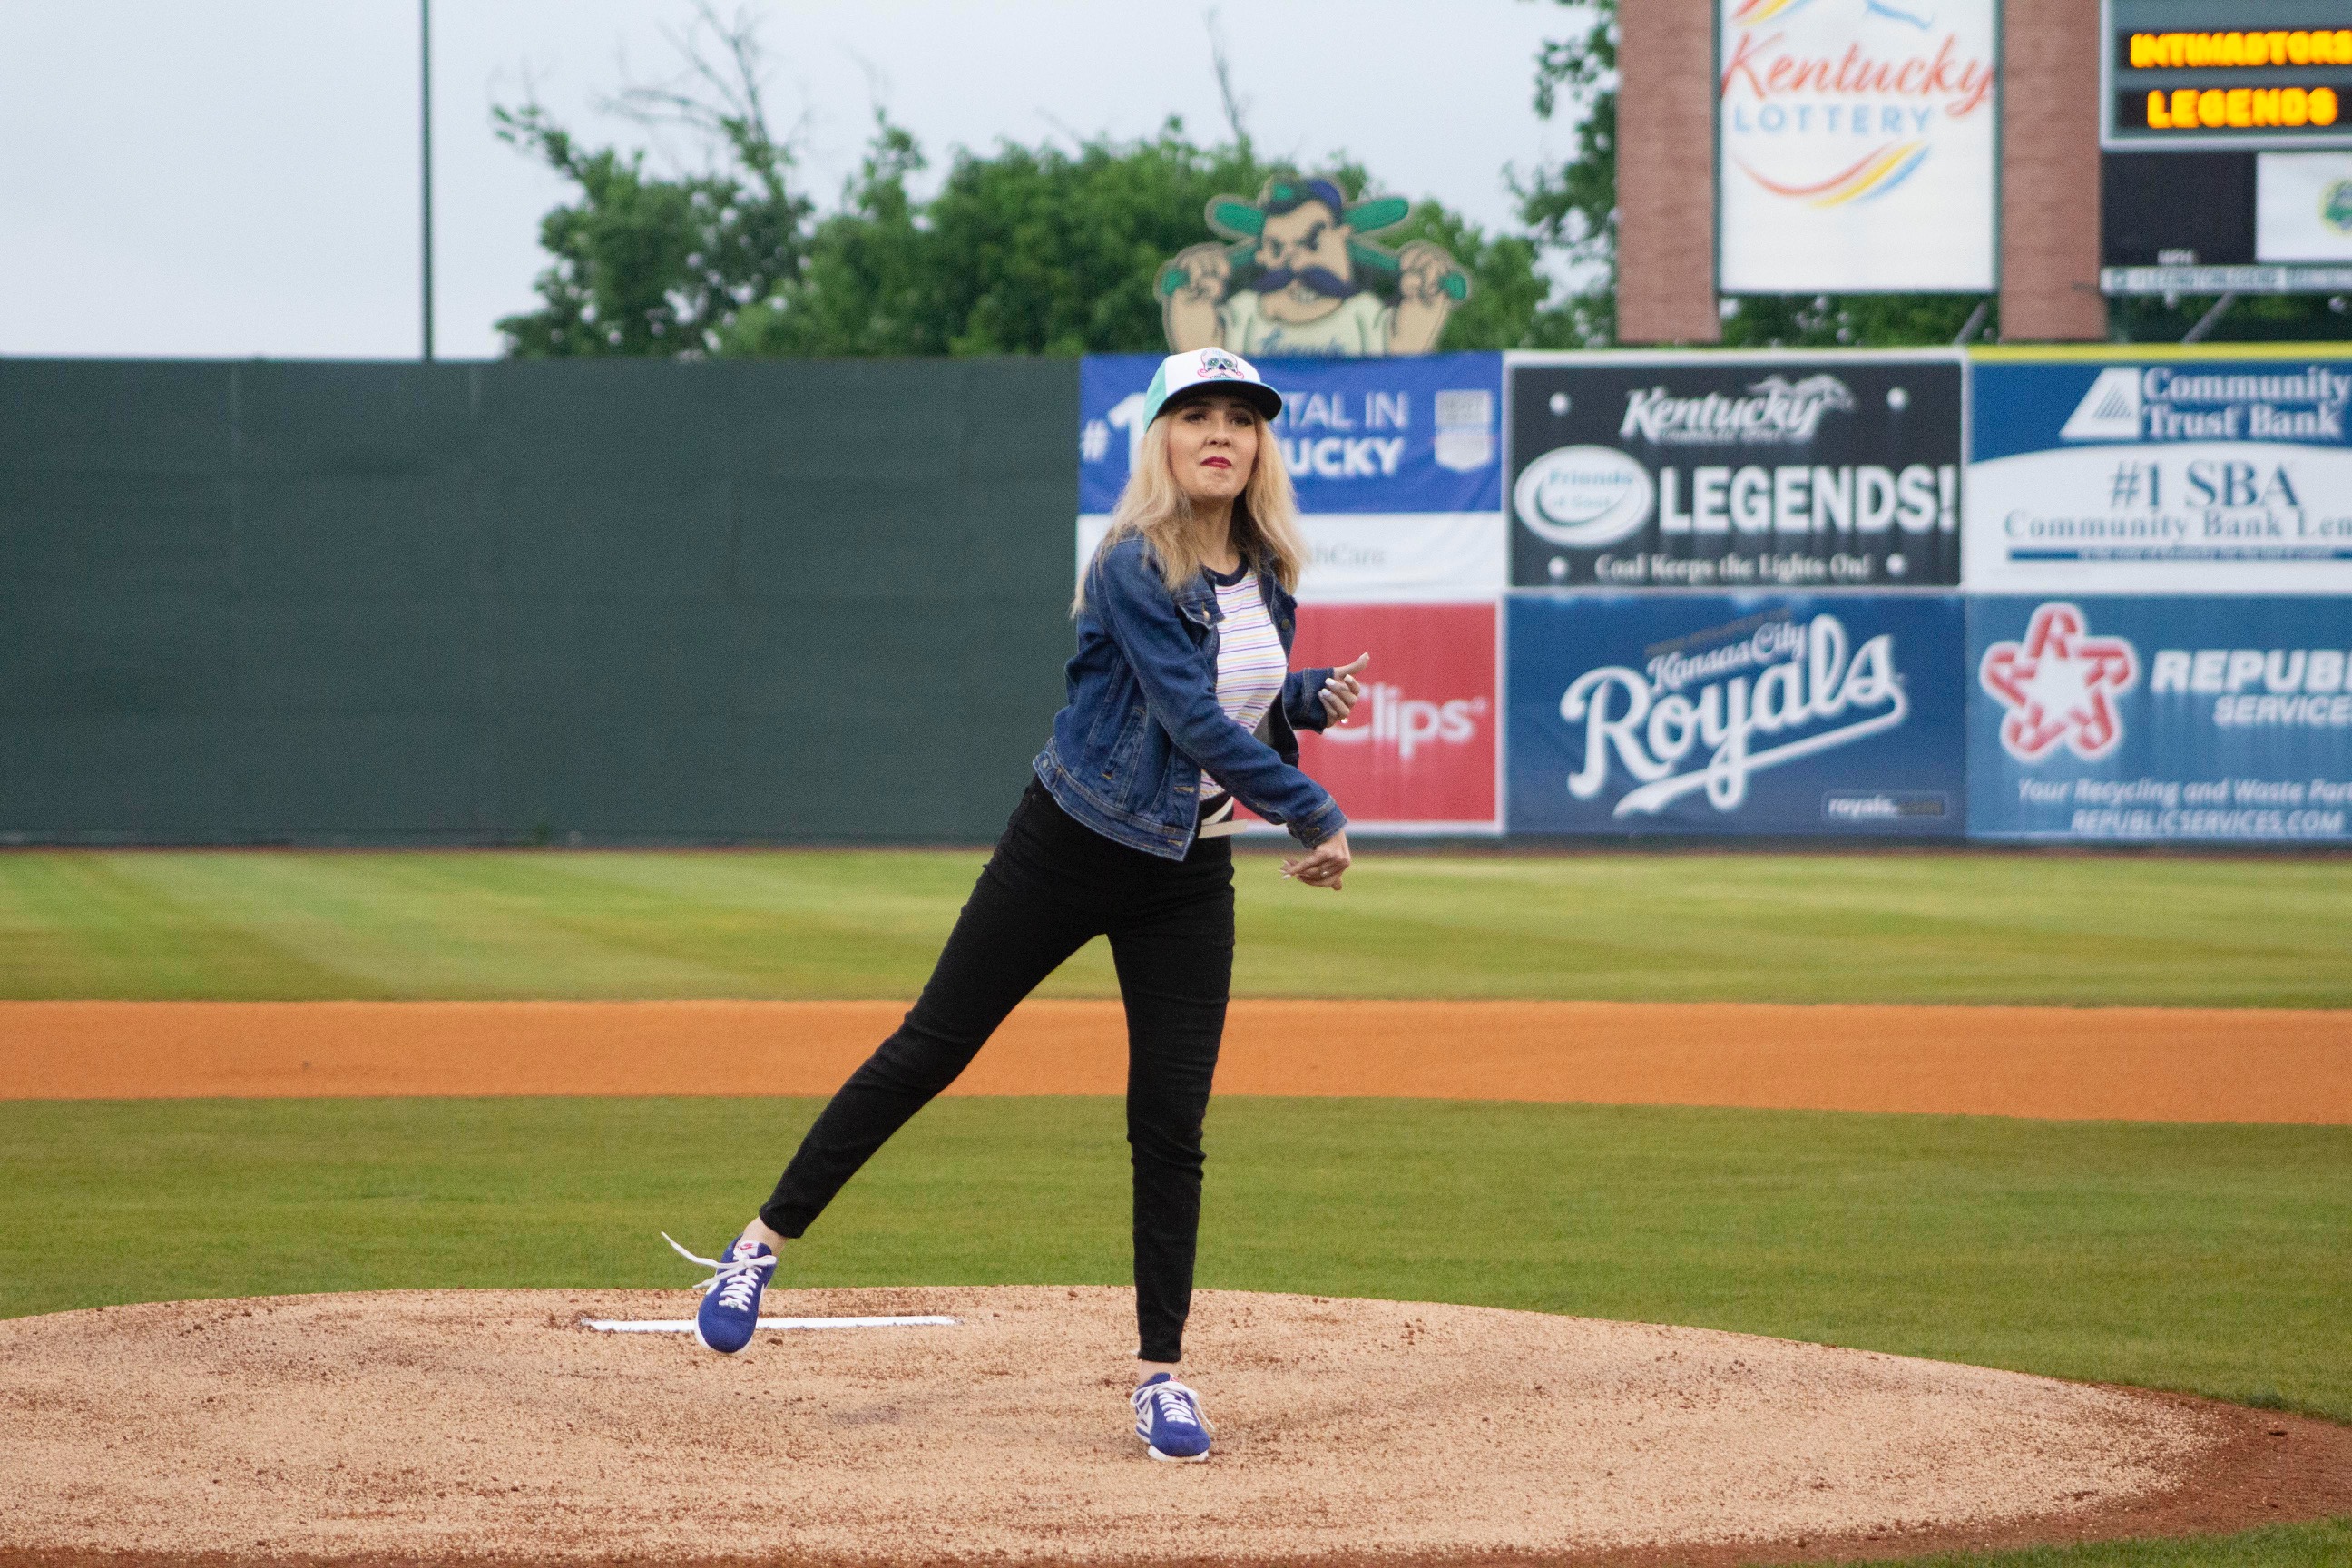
{"points": [[736, 1281], [1178, 1403]]}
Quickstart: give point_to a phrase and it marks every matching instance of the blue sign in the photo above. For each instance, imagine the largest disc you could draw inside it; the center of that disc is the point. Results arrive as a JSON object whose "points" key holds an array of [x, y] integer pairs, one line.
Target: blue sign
{"points": [[2165, 474], [2160, 718], [1837, 714], [1411, 434]]}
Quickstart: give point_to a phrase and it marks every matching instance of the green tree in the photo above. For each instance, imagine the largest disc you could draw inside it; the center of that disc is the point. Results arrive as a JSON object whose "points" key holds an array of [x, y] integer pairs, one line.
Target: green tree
{"points": [[1573, 209], [1042, 250], [2251, 319], [645, 265], [1026, 250]]}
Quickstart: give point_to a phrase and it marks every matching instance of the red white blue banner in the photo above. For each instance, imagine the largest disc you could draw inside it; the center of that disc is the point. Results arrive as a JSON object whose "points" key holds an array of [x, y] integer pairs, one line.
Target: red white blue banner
{"points": [[1397, 463], [2161, 474], [2160, 718]]}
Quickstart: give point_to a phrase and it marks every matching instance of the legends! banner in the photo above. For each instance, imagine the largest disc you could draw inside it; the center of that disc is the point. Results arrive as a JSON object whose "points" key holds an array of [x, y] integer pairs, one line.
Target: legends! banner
{"points": [[1755, 713], [2160, 718], [1723, 472]]}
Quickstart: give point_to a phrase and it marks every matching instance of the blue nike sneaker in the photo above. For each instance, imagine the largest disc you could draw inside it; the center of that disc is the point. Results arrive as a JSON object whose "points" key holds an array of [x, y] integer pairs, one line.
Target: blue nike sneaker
{"points": [[729, 1312], [1168, 1418]]}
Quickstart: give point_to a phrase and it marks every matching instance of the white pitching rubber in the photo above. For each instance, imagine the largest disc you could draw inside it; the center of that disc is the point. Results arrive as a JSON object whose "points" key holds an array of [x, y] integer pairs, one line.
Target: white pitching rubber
{"points": [[686, 1325]]}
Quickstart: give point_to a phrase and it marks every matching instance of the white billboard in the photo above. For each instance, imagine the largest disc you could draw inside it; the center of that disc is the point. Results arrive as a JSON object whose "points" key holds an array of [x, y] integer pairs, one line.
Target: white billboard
{"points": [[2228, 472], [1858, 146], [2302, 206]]}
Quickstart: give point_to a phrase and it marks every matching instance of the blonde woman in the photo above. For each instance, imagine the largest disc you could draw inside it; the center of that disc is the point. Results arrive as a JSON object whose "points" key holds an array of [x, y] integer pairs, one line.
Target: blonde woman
{"points": [[1181, 702]]}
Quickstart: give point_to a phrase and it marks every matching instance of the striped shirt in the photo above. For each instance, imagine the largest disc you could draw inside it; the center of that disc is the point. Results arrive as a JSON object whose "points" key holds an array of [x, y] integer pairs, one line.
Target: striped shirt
{"points": [[1251, 663]]}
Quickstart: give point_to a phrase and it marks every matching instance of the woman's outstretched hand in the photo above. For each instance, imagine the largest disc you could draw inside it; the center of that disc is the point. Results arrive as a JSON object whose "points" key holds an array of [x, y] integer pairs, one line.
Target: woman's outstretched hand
{"points": [[1321, 866], [1341, 692]]}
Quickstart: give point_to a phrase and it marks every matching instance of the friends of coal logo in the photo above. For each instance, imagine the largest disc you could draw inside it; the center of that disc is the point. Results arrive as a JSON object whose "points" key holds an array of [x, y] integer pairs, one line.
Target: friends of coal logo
{"points": [[1713, 710]]}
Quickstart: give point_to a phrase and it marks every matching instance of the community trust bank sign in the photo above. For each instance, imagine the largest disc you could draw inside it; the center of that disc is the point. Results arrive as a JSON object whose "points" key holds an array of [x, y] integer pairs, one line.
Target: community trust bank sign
{"points": [[1857, 145]]}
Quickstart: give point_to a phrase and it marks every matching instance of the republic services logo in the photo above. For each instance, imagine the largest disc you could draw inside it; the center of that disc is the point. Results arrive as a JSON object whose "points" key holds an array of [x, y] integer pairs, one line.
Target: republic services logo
{"points": [[2059, 684]]}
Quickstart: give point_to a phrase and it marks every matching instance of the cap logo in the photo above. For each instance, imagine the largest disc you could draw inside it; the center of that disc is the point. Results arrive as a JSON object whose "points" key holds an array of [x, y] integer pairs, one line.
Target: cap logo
{"points": [[1215, 363]]}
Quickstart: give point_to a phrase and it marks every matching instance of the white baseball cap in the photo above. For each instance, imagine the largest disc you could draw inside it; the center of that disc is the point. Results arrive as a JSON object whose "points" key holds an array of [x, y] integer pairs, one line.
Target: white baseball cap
{"points": [[1220, 368]]}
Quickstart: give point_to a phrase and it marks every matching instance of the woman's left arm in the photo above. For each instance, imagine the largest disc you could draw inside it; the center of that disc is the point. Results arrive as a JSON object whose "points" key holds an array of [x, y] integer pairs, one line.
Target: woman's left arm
{"points": [[1318, 697], [1300, 703], [1179, 690]]}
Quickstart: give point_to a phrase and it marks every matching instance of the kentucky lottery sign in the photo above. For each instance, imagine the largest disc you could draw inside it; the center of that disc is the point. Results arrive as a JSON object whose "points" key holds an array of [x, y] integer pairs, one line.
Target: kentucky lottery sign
{"points": [[1720, 713], [1714, 471], [1857, 144]]}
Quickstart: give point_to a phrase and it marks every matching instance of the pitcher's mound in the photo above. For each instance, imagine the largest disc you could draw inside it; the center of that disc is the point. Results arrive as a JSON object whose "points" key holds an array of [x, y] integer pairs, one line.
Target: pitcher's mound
{"points": [[492, 1425]]}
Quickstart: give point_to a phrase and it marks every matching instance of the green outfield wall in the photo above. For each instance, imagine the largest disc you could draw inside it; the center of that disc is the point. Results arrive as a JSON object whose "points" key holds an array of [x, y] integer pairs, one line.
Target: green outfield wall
{"points": [[626, 600]]}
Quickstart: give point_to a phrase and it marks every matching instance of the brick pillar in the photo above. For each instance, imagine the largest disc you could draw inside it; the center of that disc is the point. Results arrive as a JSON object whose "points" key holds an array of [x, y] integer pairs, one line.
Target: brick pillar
{"points": [[1665, 171], [2050, 173]]}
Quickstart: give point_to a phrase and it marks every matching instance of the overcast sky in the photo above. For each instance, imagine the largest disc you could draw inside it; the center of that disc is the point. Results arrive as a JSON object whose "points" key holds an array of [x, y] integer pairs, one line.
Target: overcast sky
{"points": [[240, 177]]}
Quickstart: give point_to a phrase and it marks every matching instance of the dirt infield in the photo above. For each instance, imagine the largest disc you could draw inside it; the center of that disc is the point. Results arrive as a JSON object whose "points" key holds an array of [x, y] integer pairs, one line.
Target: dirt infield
{"points": [[2131, 1063], [493, 1427]]}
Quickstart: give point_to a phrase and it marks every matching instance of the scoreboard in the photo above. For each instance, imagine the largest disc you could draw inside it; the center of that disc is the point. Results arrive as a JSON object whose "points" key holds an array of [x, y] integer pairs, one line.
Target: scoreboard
{"points": [[2226, 146]]}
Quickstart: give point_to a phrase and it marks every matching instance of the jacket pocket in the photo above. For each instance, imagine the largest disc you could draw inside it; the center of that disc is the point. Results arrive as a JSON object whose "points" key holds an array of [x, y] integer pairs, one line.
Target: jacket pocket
{"points": [[1125, 751]]}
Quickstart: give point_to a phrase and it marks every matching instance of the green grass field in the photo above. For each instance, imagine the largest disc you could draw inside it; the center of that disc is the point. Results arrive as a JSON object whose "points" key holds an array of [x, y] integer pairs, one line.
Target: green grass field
{"points": [[1780, 928], [2209, 1259]]}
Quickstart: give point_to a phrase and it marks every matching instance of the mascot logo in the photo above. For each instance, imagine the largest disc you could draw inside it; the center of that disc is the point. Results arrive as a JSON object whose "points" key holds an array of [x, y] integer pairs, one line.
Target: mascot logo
{"points": [[1292, 278]]}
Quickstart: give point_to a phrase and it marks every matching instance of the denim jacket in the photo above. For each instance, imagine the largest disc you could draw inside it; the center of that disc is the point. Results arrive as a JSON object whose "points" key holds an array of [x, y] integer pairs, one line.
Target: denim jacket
{"points": [[1143, 719]]}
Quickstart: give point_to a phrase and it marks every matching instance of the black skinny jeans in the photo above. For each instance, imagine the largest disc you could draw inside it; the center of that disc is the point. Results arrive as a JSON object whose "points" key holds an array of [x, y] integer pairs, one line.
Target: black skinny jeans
{"points": [[1053, 884]]}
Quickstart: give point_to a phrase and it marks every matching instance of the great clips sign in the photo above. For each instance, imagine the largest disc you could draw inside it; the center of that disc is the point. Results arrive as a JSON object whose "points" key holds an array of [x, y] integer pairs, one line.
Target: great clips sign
{"points": [[1857, 144], [1419, 753], [1718, 471]]}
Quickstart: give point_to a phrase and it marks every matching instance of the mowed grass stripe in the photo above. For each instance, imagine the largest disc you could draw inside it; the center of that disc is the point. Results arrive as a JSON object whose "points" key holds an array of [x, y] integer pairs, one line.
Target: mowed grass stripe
{"points": [[1930, 928], [2323, 1545], [2209, 1259]]}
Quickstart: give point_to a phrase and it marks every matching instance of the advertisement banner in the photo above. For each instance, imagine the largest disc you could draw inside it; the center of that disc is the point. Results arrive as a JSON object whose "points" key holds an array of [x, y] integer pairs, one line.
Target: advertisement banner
{"points": [[1857, 144], [2225, 75], [1419, 753], [1836, 715], [1355, 558], [2159, 474], [1397, 463], [1723, 472], [2160, 718]]}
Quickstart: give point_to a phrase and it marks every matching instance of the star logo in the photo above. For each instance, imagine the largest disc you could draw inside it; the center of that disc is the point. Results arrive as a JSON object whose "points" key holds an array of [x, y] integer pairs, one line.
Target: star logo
{"points": [[2059, 684]]}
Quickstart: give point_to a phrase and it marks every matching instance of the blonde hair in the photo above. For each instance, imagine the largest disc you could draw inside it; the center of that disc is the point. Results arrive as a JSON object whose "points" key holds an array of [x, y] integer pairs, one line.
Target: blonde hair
{"points": [[1155, 509]]}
